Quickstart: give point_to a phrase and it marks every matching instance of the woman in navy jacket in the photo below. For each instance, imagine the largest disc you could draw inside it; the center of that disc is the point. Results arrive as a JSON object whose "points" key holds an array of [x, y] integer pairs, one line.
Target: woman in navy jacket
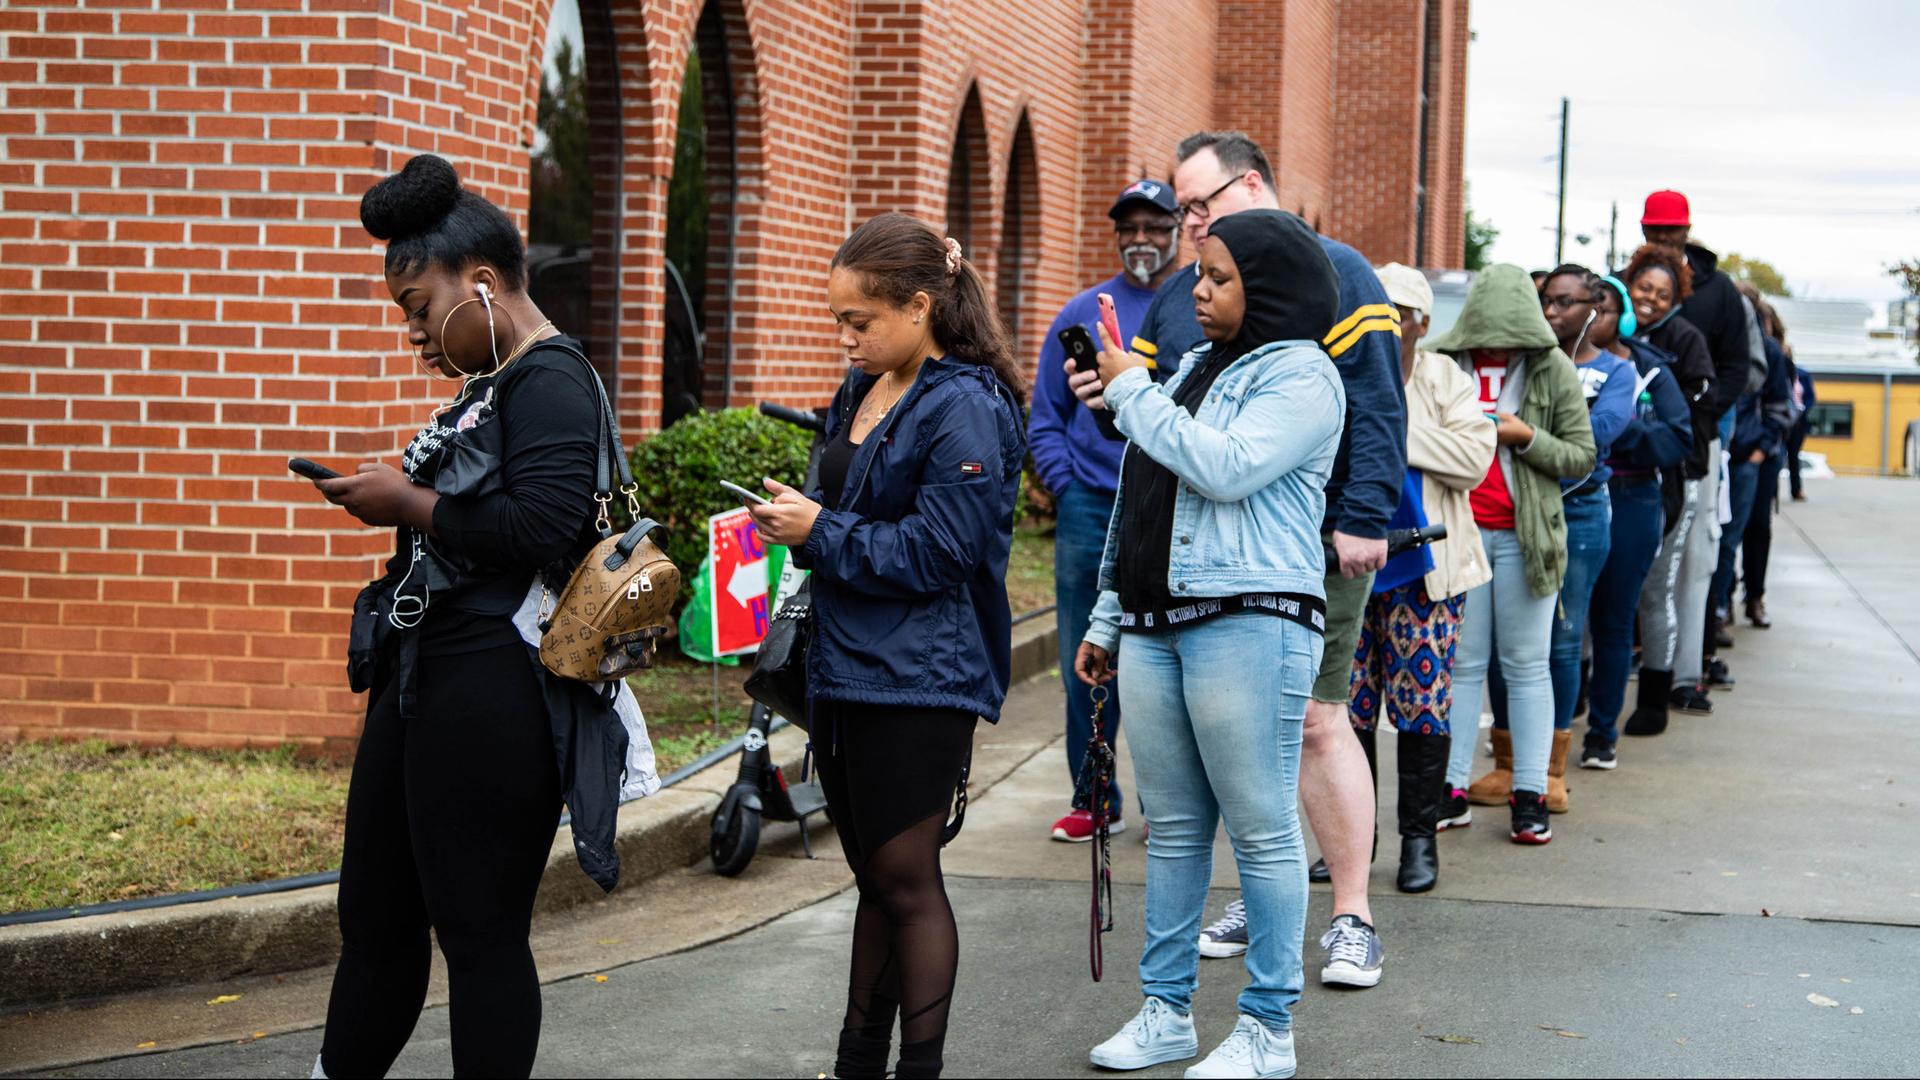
{"points": [[907, 537]]}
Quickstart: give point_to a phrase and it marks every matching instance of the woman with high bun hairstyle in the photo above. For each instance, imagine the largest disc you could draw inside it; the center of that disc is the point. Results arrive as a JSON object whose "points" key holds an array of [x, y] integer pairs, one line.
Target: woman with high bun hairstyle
{"points": [[469, 745], [907, 536]]}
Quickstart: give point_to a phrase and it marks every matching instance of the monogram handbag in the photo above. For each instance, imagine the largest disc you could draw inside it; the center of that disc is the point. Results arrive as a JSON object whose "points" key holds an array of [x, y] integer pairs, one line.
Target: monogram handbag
{"points": [[779, 678], [616, 607]]}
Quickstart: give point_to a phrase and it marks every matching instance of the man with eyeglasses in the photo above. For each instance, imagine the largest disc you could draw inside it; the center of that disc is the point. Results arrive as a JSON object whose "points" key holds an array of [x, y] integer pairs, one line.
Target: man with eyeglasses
{"points": [[1224, 172], [1077, 454]]}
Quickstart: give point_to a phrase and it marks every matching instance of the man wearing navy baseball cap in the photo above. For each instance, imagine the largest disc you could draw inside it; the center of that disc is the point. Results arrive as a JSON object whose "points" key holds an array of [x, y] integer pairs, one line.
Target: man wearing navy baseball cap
{"points": [[1078, 458]]}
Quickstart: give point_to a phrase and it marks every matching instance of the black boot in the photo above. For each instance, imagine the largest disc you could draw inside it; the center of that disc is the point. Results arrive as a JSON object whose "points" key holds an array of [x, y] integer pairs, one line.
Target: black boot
{"points": [[921, 1059], [1650, 713], [1423, 778], [1580, 699], [1318, 872], [862, 1055]]}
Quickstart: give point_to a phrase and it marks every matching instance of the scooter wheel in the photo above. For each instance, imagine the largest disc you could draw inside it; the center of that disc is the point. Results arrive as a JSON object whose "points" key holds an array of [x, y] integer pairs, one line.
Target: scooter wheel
{"points": [[733, 846]]}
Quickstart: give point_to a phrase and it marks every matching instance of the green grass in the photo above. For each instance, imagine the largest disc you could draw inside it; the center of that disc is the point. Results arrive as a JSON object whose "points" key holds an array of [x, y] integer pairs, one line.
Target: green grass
{"points": [[82, 823], [677, 697], [1030, 569]]}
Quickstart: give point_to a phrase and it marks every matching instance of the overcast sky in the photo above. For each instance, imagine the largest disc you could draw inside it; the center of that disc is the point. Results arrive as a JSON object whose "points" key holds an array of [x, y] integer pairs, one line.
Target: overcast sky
{"points": [[1792, 126]]}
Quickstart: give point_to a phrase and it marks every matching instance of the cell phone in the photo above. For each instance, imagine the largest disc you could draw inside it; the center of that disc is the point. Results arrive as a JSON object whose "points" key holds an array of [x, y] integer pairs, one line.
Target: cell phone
{"points": [[311, 470], [1110, 319], [746, 497], [1079, 345]]}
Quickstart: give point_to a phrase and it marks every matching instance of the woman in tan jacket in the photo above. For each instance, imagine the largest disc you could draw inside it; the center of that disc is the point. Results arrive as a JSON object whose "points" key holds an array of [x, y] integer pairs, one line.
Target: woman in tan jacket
{"points": [[1412, 621]]}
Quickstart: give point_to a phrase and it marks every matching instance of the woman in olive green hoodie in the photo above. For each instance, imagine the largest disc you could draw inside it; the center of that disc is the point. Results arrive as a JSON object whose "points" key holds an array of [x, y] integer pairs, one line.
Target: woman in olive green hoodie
{"points": [[1529, 389]]}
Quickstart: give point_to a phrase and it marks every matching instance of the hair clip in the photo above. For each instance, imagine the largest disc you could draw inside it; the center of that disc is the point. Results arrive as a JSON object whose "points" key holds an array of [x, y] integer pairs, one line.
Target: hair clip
{"points": [[953, 255]]}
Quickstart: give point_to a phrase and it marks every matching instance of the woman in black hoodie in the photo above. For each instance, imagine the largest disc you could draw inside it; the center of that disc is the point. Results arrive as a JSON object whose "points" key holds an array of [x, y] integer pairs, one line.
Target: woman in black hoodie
{"points": [[1214, 573]]}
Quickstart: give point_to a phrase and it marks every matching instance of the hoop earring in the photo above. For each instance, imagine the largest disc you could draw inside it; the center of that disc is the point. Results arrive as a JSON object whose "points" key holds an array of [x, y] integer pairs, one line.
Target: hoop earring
{"points": [[493, 342]]}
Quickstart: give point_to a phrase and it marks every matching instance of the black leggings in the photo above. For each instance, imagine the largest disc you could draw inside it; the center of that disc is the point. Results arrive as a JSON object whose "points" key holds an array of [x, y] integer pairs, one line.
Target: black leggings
{"points": [[449, 821], [889, 774]]}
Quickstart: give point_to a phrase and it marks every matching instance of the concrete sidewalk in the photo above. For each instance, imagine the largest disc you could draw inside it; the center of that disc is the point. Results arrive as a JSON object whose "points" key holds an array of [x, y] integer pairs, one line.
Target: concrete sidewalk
{"points": [[1687, 909]]}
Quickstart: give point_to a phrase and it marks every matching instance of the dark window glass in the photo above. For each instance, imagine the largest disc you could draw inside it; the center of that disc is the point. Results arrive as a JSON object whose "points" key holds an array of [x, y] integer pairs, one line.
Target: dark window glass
{"points": [[1831, 420]]}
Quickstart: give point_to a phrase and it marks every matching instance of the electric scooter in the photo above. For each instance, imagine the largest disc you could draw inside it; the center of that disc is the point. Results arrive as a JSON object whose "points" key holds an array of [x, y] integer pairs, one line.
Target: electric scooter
{"points": [[761, 790]]}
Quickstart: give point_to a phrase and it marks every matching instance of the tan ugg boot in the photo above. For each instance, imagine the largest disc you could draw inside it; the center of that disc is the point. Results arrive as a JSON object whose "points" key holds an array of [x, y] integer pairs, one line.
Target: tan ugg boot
{"points": [[1493, 788], [1557, 773]]}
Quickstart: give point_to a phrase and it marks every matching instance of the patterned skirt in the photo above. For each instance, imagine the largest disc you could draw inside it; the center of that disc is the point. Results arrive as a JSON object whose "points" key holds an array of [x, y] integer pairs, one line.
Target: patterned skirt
{"points": [[1405, 658]]}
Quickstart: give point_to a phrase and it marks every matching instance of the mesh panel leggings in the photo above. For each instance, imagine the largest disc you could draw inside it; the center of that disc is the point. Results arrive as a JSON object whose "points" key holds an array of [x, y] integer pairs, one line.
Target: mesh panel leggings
{"points": [[449, 819], [889, 776]]}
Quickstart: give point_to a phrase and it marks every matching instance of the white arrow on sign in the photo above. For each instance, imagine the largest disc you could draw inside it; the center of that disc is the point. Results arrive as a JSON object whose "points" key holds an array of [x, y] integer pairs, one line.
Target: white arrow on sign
{"points": [[748, 581]]}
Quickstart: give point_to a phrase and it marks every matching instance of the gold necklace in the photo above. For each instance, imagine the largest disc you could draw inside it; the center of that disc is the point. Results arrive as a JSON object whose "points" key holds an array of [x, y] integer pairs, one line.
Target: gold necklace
{"points": [[881, 414], [466, 388]]}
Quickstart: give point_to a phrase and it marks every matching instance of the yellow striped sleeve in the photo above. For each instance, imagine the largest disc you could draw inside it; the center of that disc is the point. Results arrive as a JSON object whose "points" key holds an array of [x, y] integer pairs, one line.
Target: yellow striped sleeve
{"points": [[1364, 311], [1336, 348], [1145, 347]]}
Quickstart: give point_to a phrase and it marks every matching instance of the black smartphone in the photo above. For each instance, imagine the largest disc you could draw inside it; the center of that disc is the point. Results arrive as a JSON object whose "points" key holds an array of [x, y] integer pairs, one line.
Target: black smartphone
{"points": [[311, 470], [1079, 345]]}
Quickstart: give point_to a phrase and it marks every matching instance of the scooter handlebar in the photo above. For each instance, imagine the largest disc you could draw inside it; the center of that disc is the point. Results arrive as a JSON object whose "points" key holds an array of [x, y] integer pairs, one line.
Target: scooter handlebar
{"points": [[1399, 541], [796, 417]]}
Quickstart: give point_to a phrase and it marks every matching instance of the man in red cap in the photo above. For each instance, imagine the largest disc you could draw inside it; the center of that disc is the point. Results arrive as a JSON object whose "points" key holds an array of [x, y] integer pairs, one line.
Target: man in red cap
{"points": [[1718, 311]]}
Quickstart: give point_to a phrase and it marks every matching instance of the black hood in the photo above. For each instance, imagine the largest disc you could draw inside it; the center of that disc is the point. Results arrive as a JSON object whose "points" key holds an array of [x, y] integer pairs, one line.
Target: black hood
{"points": [[1701, 261], [1292, 290]]}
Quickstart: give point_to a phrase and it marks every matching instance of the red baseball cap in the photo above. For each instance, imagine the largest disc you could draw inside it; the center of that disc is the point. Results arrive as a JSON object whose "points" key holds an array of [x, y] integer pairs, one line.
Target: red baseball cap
{"points": [[1665, 208]]}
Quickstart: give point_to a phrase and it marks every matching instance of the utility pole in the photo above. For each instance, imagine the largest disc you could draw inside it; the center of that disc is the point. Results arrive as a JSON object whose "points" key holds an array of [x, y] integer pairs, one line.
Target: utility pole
{"points": [[1613, 238], [1560, 224]]}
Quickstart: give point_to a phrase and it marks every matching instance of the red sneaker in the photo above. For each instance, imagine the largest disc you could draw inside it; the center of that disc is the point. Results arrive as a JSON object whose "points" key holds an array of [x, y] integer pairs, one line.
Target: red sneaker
{"points": [[1077, 827]]}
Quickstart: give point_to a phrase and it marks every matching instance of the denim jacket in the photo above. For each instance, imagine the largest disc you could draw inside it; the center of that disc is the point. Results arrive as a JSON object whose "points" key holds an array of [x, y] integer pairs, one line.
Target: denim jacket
{"points": [[1253, 462]]}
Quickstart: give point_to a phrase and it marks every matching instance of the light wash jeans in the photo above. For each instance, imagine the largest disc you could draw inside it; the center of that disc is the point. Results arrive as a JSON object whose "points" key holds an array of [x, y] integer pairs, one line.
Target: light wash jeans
{"points": [[1505, 607], [1214, 713]]}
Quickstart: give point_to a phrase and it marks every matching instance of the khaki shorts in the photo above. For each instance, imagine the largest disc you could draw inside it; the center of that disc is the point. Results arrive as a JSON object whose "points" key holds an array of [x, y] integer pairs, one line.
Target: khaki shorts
{"points": [[1346, 607]]}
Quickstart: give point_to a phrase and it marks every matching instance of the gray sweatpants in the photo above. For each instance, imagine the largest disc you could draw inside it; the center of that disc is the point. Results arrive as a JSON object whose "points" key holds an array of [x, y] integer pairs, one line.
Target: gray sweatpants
{"points": [[1673, 602]]}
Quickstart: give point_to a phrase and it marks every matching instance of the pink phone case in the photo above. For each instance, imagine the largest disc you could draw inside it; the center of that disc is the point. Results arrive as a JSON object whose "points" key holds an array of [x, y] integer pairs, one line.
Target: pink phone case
{"points": [[1110, 319]]}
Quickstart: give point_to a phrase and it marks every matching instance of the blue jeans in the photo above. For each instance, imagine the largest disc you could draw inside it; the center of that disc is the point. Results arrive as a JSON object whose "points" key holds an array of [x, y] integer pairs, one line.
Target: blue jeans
{"points": [[1743, 478], [1637, 522], [1589, 537], [1080, 533], [1217, 709], [1505, 607]]}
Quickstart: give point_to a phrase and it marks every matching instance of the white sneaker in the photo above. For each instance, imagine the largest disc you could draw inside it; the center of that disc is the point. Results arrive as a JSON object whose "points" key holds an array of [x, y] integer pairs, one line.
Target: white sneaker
{"points": [[1154, 1035], [1252, 1050]]}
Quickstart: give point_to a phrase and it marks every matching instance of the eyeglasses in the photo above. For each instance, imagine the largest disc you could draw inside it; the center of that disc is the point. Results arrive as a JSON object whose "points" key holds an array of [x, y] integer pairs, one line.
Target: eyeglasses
{"points": [[1126, 232], [1199, 208], [1562, 303]]}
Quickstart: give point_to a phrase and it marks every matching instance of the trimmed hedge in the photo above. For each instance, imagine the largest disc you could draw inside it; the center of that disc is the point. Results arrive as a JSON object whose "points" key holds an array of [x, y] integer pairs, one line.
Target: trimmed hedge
{"points": [[679, 472]]}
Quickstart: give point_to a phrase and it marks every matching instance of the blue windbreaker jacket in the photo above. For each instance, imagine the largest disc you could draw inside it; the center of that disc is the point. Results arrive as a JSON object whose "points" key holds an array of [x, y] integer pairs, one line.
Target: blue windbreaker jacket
{"points": [[909, 570]]}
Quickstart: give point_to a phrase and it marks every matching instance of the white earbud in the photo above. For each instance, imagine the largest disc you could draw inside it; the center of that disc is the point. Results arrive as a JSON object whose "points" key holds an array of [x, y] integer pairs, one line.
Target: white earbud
{"points": [[486, 297]]}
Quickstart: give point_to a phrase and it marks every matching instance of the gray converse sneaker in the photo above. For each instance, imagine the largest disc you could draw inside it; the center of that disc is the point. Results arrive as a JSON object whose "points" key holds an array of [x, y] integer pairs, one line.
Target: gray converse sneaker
{"points": [[1154, 1035], [1228, 936], [1252, 1050], [1354, 956]]}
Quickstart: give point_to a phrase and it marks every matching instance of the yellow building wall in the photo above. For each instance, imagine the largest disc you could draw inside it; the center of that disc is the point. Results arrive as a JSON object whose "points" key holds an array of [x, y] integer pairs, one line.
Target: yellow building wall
{"points": [[1861, 453]]}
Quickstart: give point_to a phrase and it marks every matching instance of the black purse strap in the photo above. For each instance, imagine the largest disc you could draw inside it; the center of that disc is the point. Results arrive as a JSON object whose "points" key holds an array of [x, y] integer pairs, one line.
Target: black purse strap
{"points": [[609, 455]]}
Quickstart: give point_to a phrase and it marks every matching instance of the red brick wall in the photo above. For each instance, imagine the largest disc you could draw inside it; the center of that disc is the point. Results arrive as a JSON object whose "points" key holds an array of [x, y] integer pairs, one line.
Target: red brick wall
{"points": [[186, 296], [1377, 116]]}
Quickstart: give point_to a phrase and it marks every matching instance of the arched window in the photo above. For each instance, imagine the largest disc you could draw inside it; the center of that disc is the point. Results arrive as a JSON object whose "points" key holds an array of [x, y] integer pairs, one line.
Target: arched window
{"points": [[1019, 219], [968, 199], [574, 206], [702, 223]]}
